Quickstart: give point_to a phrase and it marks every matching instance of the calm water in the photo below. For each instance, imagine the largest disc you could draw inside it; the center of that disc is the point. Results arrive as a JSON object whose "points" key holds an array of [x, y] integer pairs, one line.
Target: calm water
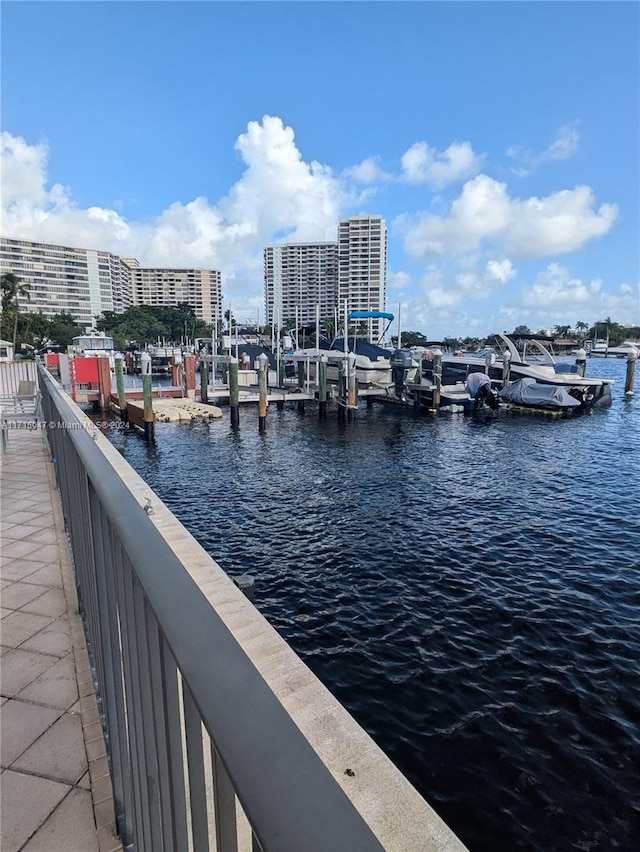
{"points": [[469, 590]]}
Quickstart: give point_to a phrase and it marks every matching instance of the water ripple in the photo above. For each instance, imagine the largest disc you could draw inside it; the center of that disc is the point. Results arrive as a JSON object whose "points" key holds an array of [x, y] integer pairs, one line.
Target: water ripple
{"points": [[470, 591]]}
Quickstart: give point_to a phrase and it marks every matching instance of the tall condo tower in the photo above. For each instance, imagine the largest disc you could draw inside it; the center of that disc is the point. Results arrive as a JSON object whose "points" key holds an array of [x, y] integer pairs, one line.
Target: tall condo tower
{"points": [[300, 276], [362, 267]]}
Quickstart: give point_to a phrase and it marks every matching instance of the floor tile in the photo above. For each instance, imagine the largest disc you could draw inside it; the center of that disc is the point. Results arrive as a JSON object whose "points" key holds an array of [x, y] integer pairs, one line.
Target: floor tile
{"points": [[59, 753], [21, 724], [56, 686], [19, 626], [50, 575], [21, 517], [52, 602], [45, 553], [70, 827], [19, 594], [18, 569], [55, 639], [19, 549], [18, 821]]}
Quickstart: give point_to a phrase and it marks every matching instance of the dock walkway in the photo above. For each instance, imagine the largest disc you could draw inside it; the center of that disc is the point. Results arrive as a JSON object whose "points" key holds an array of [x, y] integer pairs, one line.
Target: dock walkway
{"points": [[55, 784]]}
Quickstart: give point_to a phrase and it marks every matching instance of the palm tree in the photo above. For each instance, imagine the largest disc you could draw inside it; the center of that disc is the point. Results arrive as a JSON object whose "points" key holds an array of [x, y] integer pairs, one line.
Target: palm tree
{"points": [[12, 289], [581, 327]]}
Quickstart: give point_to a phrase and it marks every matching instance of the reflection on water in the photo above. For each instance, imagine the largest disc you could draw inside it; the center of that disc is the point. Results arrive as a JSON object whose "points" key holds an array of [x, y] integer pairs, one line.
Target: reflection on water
{"points": [[470, 591]]}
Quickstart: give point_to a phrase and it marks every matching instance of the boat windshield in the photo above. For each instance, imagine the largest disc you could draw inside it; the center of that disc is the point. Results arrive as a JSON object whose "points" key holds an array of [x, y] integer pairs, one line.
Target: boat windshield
{"points": [[527, 348]]}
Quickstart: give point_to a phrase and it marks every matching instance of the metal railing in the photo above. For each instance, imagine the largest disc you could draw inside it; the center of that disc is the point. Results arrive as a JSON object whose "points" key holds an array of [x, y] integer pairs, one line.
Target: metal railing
{"points": [[203, 754]]}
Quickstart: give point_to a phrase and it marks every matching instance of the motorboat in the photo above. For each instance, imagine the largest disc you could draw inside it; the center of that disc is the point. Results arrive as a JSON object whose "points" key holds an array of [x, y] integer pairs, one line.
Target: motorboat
{"points": [[512, 357], [623, 350], [374, 367], [530, 394]]}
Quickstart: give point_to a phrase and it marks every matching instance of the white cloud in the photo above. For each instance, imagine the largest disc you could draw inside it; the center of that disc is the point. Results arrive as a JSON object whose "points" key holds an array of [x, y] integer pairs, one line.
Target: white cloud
{"points": [[556, 296], [368, 171], [563, 146], [422, 164], [500, 270], [485, 215], [278, 193]]}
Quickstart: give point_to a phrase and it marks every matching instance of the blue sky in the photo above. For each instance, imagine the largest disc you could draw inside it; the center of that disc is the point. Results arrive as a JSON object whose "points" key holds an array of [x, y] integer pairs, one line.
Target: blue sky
{"points": [[499, 140]]}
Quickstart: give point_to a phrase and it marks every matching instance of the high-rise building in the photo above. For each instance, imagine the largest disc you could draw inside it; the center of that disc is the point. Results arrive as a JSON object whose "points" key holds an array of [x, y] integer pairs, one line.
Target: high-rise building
{"points": [[86, 283], [300, 276], [362, 267], [200, 288], [297, 278], [60, 279]]}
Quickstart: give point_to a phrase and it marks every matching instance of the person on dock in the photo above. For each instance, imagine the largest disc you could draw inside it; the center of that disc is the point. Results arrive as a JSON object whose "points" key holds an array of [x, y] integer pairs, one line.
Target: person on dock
{"points": [[480, 390]]}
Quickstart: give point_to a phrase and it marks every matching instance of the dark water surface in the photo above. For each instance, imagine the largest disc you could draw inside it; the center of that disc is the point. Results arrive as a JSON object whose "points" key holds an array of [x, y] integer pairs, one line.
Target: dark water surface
{"points": [[469, 590]]}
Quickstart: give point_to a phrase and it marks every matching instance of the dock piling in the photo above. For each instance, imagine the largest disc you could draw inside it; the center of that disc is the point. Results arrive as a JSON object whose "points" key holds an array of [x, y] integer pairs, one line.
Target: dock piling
{"points": [[506, 369], [437, 378], [581, 362], [234, 399], [190, 375], [632, 357], [322, 387], [149, 419], [301, 378], [122, 397], [263, 371], [204, 380], [342, 395], [352, 386]]}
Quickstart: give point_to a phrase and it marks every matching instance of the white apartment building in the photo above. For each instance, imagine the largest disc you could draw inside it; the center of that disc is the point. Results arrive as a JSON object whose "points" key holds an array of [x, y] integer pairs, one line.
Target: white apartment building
{"points": [[77, 281], [85, 283], [200, 288], [297, 278], [362, 267]]}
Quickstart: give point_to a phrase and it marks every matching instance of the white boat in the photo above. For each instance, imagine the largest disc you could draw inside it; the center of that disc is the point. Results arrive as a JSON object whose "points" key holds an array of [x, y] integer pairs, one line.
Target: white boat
{"points": [[529, 356], [373, 360], [603, 350]]}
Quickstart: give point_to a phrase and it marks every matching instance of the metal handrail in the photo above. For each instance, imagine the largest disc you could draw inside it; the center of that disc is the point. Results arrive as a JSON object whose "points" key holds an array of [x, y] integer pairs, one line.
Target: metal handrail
{"points": [[150, 628]]}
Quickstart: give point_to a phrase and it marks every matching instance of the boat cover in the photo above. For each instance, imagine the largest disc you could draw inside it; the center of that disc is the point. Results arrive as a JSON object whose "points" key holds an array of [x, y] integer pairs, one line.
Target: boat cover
{"points": [[531, 393]]}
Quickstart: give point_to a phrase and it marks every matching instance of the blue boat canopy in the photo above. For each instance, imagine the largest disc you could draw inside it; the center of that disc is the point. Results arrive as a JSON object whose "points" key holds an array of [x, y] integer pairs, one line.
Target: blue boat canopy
{"points": [[369, 315]]}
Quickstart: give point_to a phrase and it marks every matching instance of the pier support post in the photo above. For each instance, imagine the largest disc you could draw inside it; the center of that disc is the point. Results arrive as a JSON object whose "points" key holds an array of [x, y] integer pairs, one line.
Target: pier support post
{"points": [[352, 384], [263, 371], [342, 396], [301, 378], [506, 369], [234, 398], [176, 372], [104, 383], [204, 380], [322, 387], [437, 378], [122, 397], [581, 362], [190, 375], [632, 357], [148, 417]]}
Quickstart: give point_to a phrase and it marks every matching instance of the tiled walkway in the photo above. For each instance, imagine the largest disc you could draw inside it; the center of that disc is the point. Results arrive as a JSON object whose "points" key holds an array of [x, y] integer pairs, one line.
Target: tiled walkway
{"points": [[56, 790]]}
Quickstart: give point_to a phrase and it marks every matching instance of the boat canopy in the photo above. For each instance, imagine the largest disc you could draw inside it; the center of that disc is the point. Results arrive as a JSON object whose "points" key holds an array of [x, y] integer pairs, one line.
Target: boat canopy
{"points": [[369, 315]]}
